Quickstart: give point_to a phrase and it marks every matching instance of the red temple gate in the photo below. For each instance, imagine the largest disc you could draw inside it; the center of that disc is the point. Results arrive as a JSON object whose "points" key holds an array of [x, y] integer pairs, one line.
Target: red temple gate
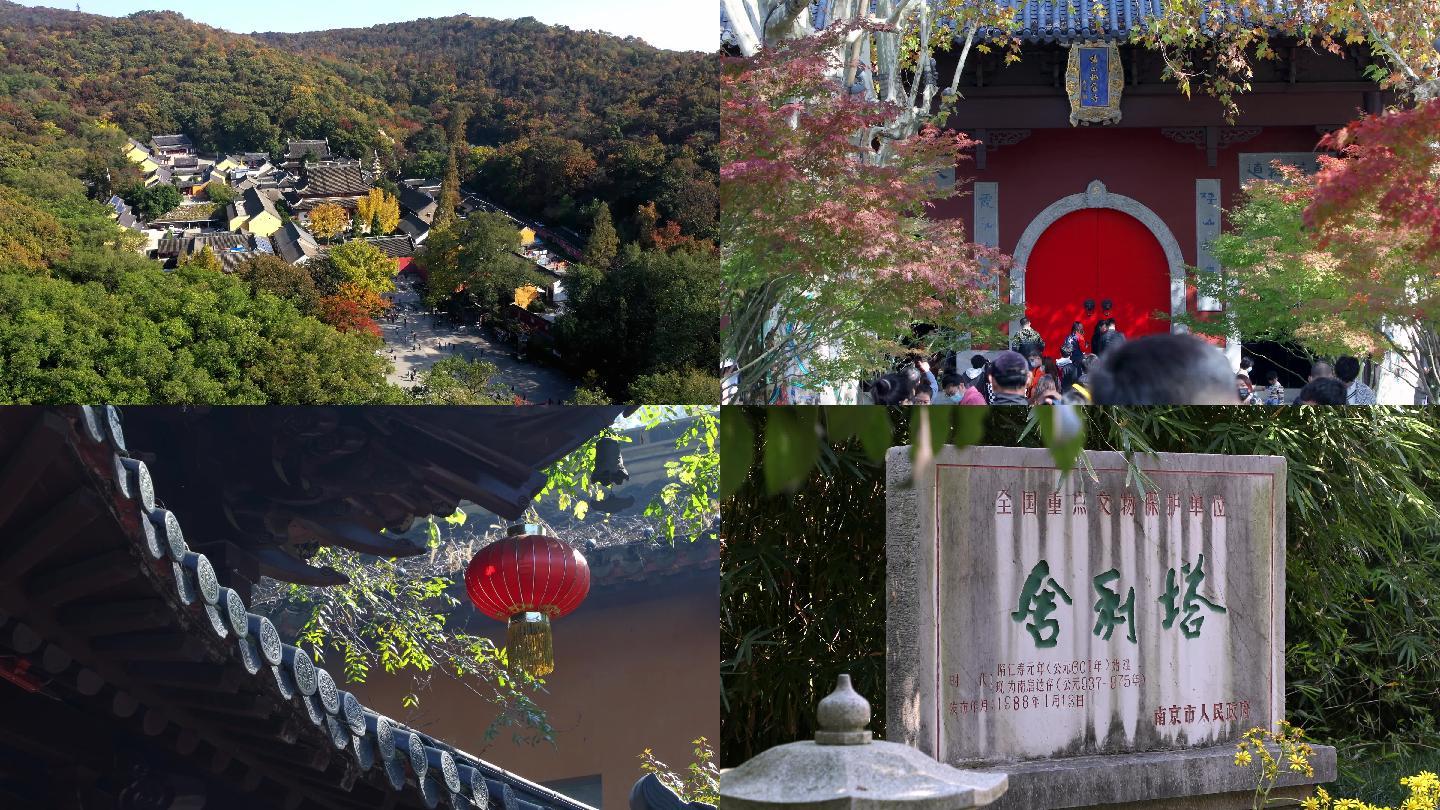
{"points": [[1092, 264]]}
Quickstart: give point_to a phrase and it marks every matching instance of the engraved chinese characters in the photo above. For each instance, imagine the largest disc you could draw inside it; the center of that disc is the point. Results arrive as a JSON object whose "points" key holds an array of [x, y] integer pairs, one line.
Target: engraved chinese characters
{"points": [[1040, 615], [1038, 603]]}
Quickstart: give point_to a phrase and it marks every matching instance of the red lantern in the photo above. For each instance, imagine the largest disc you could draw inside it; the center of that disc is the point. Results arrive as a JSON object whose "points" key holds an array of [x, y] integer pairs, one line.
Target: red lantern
{"points": [[528, 578]]}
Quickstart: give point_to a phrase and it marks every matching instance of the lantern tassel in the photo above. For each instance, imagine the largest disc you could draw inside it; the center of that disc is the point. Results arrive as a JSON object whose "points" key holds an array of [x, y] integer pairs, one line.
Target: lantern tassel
{"points": [[529, 645]]}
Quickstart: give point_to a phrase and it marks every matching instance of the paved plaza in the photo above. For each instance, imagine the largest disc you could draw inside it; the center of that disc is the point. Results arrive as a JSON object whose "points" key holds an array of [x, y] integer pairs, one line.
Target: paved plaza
{"points": [[415, 340]]}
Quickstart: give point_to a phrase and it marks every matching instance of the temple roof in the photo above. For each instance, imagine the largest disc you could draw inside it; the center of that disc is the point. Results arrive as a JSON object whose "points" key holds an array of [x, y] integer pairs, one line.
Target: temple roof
{"points": [[1066, 20], [265, 485], [334, 181], [121, 639]]}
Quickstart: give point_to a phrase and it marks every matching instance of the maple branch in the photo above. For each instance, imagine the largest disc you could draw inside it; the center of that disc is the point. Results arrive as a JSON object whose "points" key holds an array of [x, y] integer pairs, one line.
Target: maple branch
{"points": [[1423, 90]]}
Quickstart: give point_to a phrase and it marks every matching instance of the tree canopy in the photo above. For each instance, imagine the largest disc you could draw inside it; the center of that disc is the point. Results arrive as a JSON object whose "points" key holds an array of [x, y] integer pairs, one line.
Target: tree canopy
{"points": [[473, 263], [182, 337], [652, 313], [360, 263]]}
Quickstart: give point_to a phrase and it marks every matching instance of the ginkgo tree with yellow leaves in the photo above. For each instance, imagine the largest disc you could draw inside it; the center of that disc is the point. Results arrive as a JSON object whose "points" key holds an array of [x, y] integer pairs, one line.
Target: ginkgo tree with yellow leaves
{"points": [[377, 213], [328, 220]]}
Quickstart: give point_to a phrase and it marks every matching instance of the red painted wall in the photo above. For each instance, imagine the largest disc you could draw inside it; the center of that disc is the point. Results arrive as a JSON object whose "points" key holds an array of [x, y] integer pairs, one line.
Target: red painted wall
{"points": [[1139, 163]]}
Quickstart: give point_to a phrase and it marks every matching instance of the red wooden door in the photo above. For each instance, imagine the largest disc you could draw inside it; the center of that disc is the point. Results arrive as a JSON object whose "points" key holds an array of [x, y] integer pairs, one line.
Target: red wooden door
{"points": [[1096, 254]]}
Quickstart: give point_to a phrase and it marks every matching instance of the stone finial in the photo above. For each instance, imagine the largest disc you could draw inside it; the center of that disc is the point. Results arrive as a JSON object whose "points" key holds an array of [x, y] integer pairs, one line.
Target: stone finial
{"points": [[843, 716]]}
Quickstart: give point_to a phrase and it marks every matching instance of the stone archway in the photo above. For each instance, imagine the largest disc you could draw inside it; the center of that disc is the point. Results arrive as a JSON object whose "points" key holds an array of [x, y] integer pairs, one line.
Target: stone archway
{"points": [[1097, 196]]}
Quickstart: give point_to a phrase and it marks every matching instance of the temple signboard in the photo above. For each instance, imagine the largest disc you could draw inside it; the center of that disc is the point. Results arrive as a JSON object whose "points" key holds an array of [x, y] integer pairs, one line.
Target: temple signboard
{"points": [[1038, 615], [1094, 80], [1262, 165]]}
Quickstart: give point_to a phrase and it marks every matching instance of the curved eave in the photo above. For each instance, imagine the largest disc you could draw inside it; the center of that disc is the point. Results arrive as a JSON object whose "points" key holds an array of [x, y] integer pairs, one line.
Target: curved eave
{"points": [[104, 600]]}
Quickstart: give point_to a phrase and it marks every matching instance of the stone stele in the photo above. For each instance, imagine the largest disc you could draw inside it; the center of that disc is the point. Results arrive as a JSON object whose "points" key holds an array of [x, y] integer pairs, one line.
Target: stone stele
{"points": [[1103, 638]]}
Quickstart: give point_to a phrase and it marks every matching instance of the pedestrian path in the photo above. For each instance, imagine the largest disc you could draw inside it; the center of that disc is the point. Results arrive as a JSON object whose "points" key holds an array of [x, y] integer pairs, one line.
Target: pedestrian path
{"points": [[415, 340]]}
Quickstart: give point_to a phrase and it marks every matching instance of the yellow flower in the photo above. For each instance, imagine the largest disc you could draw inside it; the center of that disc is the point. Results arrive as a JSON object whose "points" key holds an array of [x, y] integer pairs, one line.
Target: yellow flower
{"points": [[1242, 758]]}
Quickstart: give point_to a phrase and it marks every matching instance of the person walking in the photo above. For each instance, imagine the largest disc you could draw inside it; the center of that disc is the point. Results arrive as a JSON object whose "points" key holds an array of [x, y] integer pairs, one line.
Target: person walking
{"points": [[1027, 340], [1075, 340]]}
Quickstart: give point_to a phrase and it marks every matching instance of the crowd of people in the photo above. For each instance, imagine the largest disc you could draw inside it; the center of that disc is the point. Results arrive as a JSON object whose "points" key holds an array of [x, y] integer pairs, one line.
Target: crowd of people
{"points": [[1109, 369]]}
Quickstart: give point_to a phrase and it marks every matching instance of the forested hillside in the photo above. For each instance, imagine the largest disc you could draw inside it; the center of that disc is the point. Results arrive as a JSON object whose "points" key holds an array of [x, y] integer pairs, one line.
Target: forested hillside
{"points": [[557, 115], [154, 73], [576, 128]]}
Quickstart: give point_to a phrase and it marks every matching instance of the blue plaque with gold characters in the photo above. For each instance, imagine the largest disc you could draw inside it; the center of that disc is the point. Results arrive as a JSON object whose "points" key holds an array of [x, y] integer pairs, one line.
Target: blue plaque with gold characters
{"points": [[1095, 78]]}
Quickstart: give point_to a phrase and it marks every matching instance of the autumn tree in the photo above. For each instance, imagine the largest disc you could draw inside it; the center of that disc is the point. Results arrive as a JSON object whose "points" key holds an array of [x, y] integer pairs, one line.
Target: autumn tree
{"points": [[645, 220], [829, 259], [378, 212], [373, 304], [328, 220], [603, 243], [1346, 261], [30, 239], [346, 316], [362, 264]]}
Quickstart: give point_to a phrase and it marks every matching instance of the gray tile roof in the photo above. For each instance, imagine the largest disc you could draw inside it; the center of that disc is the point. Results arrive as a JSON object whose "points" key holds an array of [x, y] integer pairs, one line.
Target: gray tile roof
{"points": [[333, 181], [396, 247], [317, 150], [171, 141], [293, 243], [419, 203], [414, 227]]}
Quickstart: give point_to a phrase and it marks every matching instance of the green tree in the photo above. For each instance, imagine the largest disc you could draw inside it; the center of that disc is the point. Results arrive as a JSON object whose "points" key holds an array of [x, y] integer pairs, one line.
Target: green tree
{"points": [[473, 264], [688, 387], [361, 263], [219, 193], [450, 186], [640, 317], [457, 381], [288, 282], [585, 395], [182, 337], [154, 201], [604, 244]]}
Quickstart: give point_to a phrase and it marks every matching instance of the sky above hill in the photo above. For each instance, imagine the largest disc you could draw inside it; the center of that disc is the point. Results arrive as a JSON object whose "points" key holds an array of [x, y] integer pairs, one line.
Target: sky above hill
{"points": [[692, 25]]}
